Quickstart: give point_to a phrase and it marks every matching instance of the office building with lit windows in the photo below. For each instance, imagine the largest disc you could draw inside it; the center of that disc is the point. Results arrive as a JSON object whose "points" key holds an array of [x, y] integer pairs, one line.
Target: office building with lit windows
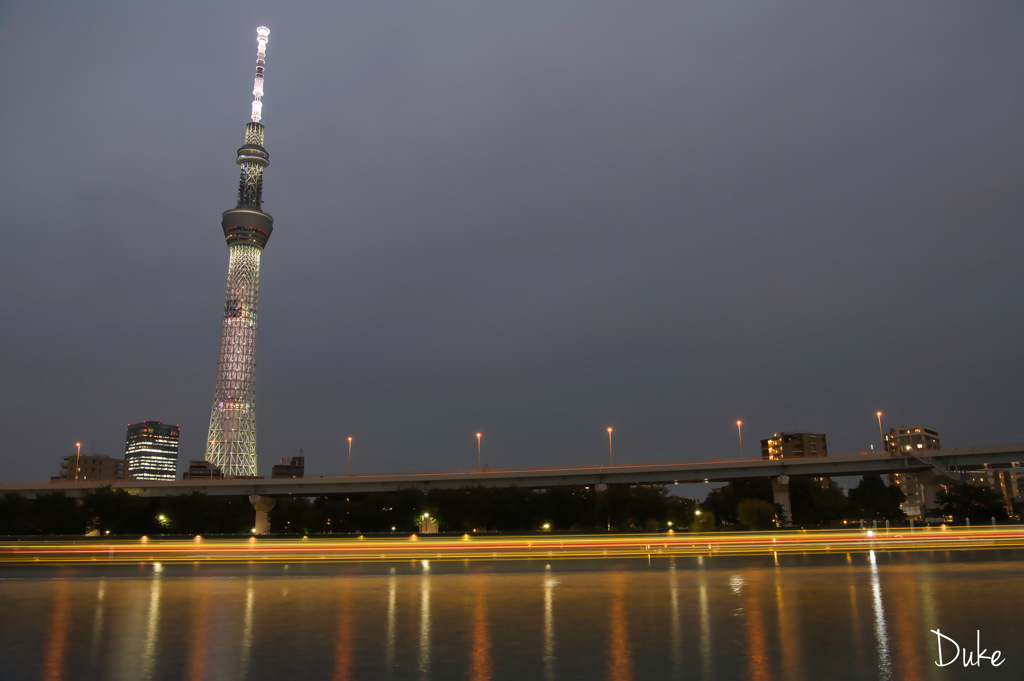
{"points": [[151, 451]]}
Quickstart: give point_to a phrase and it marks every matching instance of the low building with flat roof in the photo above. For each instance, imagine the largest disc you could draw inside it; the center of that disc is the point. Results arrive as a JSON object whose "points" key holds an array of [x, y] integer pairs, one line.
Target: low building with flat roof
{"points": [[200, 469], [290, 467], [90, 467]]}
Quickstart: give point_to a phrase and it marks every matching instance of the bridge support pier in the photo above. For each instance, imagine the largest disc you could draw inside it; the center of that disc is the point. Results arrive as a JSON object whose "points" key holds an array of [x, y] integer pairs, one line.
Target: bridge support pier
{"points": [[262, 506], [780, 491], [931, 482]]}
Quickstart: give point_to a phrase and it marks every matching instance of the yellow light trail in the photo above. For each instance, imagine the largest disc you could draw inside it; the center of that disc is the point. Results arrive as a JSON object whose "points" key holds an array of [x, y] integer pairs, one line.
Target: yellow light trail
{"points": [[468, 547]]}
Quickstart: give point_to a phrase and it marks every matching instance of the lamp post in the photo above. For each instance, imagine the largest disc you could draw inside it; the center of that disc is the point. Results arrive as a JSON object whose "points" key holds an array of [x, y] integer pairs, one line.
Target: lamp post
{"points": [[350, 455], [611, 461], [880, 436], [78, 455], [479, 465], [739, 431]]}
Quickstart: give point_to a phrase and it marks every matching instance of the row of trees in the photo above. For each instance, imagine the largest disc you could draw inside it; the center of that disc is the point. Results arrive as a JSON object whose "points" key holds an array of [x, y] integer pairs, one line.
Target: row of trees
{"points": [[482, 509], [103, 511], [812, 502], [650, 508], [976, 503], [109, 511], [751, 503]]}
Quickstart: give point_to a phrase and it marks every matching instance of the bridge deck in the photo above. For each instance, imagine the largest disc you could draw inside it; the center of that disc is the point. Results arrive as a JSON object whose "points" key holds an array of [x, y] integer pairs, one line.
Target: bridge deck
{"points": [[699, 472]]}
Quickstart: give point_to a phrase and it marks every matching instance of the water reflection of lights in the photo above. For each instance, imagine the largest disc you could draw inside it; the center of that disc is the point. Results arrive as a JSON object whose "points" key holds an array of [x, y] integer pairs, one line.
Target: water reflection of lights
{"points": [[855, 625], [789, 631], [246, 649], [881, 637], [675, 619], [549, 623], [389, 641], [200, 634], [344, 650], [480, 663], [758, 659], [57, 638], [620, 662], [677, 630], [424, 661], [97, 622], [152, 624], [736, 584], [909, 659], [705, 625]]}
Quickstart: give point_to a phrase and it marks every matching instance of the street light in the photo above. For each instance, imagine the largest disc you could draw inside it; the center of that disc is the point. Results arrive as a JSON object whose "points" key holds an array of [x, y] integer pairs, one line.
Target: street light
{"points": [[610, 460], [350, 455], [78, 454], [479, 466], [739, 430], [880, 436]]}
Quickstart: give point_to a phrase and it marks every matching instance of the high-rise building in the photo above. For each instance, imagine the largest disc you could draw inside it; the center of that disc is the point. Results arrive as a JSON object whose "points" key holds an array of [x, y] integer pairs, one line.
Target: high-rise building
{"points": [[86, 467], [151, 451], [231, 444], [910, 441], [1004, 480], [794, 445]]}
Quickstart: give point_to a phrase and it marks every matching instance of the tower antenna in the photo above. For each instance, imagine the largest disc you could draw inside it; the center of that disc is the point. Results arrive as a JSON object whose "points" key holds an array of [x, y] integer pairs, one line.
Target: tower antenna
{"points": [[262, 35]]}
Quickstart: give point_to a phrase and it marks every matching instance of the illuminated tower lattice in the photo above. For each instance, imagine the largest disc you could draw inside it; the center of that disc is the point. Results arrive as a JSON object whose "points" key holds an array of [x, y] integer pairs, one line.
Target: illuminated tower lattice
{"points": [[231, 444]]}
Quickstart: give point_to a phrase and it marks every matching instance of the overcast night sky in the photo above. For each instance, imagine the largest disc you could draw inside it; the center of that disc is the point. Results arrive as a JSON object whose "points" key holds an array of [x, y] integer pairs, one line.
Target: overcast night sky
{"points": [[531, 219]]}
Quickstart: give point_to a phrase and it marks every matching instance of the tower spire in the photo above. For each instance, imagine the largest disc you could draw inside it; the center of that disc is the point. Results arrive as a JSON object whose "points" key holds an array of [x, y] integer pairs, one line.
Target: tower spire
{"points": [[262, 34], [231, 444]]}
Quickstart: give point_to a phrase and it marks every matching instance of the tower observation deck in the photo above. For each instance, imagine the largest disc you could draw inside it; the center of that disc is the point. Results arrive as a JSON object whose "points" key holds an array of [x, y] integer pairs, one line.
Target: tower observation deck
{"points": [[231, 444]]}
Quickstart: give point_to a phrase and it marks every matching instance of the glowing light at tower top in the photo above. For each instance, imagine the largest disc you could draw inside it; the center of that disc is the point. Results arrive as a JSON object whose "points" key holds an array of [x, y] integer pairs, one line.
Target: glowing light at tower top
{"points": [[262, 34]]}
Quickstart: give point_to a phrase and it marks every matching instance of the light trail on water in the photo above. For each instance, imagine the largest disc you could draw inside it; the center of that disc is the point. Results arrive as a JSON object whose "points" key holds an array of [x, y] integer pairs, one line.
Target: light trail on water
{"points": [[526, 547]]}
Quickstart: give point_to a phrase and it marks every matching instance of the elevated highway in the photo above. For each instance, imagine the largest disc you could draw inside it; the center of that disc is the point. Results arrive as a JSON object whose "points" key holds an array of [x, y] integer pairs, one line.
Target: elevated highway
{"points": [[957, 459]]}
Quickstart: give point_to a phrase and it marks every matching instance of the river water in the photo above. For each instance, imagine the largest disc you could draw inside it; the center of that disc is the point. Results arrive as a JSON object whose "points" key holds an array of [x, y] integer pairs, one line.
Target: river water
{"points": [[792, 617]]}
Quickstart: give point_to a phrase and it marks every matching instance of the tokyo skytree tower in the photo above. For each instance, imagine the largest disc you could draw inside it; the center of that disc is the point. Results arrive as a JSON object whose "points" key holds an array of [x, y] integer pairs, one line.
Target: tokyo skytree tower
{"points": [[231, 444]]}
